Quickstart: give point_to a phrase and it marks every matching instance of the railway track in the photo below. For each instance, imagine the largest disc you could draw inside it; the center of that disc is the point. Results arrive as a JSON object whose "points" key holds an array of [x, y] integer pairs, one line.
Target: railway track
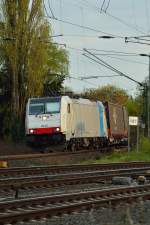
{"points": [[45, 207], [53, 157], [53, 153], [37, 182], [47, 170]]}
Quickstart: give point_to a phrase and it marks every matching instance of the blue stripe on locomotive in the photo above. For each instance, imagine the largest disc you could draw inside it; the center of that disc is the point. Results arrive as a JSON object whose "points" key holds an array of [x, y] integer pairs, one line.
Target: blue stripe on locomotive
{"points": [[101, 110]]}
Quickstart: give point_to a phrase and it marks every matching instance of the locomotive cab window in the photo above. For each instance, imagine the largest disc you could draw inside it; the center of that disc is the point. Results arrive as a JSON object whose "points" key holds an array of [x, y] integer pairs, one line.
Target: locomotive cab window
{"points": [[68, 108], [35, 109], [52, 107]]}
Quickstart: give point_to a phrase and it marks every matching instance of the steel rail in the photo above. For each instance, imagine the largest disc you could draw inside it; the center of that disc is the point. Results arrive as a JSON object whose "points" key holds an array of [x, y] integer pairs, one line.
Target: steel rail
{"points": [[69, 168], [69, 179], [54, 154], [129, 171], [69, 203]]}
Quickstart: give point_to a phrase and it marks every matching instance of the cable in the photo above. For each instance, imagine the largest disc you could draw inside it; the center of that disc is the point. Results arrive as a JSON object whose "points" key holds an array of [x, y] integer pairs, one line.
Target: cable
{"points": [[103, 4], [79, 35], [82, 80], [125, 60], [84, 27], [105, 76], [116, 18], [49, 5], [72, 48], [102, 62], [45, 8], [98, 62], [142, 39], [107, 6], [114, 52], [67, 76], [123, 22], [136, 42], [92, 29], [89, 5]]}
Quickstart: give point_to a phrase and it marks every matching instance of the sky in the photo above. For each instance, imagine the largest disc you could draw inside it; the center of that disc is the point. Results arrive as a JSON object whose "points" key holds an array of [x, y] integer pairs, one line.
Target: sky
{"points": [[96, 18]]}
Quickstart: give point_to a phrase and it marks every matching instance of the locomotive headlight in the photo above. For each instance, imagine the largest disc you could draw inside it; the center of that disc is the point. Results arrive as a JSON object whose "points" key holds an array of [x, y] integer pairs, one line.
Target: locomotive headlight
{"points": [[44, 118], [57, 129], [31, 131]]}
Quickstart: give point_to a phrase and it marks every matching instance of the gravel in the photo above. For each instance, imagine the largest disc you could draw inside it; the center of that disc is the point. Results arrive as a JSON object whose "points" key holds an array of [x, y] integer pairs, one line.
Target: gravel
{"points": [[135, 214], [43, 191]]}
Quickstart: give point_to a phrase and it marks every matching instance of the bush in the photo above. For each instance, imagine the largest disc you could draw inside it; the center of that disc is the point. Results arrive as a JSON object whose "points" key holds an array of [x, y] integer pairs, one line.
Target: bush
{"points": [[145, 145], [12, 127]]}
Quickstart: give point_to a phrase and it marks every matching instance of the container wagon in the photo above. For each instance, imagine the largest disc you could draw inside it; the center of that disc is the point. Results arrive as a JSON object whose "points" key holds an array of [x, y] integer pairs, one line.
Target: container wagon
{"points": [[117, 123]]}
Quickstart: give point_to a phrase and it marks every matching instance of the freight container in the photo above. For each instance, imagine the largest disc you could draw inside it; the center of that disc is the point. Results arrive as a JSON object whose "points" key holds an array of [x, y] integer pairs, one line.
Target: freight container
{"points": [[116, 121]]}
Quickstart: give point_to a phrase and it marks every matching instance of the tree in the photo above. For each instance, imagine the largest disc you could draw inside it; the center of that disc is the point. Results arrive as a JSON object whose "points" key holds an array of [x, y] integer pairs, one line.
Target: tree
{"points": [[58, 70], [107, 93], [142, 100], [134, 106], [28, 55]]}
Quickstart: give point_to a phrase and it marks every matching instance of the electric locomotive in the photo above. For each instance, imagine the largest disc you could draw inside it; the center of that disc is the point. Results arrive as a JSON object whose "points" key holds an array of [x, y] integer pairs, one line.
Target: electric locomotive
{"points": [[75, 122], [42, 122]]}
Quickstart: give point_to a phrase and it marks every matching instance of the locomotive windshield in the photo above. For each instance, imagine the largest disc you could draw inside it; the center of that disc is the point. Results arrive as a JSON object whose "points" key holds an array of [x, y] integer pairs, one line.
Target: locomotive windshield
{"points": [[44, 106], [35, 109], [52, 107]]}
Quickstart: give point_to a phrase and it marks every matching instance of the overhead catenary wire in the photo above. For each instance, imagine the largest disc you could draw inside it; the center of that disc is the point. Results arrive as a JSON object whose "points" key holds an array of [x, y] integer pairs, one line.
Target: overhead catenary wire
{"points": [[45, 8], [131, 26], [86, 4], [78, 78], [111, 54], [50, 8], [114, 54], [98, 62], [98, 76], [68, 76], [121, 59], [107, 5], [136, 42], [94, 29], [112, 69], [103, 4], [69, 22], [125, 23], [113, 51], [83, 27], [102, 62]]}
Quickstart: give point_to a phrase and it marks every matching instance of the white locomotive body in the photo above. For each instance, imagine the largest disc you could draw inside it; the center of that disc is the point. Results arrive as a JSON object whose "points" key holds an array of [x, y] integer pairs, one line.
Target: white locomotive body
{"points": [[75, 122], [43, 120]]}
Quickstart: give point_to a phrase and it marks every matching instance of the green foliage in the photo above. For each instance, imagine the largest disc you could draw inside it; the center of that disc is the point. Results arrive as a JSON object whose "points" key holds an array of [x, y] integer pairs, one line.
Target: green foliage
{"points": [[107, 93], [133, 106], [145, 145], [117, 95], [143, 99], [13, 129], [28, 58], [121, 156], [57, 70]]}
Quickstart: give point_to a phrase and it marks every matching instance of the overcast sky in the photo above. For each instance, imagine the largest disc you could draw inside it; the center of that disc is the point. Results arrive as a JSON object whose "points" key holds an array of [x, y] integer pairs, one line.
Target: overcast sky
{"points": [[122, 18]]}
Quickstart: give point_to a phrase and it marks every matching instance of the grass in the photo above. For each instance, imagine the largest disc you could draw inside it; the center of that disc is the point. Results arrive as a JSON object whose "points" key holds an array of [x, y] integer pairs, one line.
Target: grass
{"points": [[142, 155]]}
